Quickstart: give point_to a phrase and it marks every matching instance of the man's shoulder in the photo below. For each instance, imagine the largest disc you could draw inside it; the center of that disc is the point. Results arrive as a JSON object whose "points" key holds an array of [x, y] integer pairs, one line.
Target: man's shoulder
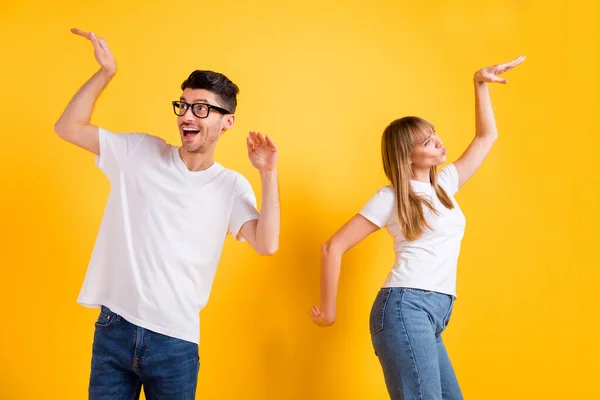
{"points": [[237, 178], [154, 140], [151, 145], [230, 173]]}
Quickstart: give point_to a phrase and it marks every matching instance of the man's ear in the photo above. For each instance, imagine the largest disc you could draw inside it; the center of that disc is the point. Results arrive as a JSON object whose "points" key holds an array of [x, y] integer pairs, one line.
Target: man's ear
{"points": [[228, 122]]}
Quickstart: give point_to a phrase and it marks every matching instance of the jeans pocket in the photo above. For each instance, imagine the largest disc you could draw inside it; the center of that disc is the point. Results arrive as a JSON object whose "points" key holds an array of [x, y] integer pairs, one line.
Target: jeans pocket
{"points": [[449, 313], [376, 320], [105, 318], [418, 292]]}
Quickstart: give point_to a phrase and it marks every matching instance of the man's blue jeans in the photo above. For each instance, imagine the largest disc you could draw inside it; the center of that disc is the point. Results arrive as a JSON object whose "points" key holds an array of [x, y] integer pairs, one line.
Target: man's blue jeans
{"points": [[126, 358]]}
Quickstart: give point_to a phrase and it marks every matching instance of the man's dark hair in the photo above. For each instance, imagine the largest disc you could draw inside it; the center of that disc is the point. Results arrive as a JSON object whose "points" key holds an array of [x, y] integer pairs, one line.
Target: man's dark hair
{"points": [[217, 83]]}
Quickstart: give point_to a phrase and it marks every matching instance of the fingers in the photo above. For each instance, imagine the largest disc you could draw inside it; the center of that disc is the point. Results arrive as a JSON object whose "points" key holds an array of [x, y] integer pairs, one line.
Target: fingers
{"points": [[103, 45], [95, 41], [98, 42], [79, 32], [258, 138], [315, 312], [262, 140], [270, 142], [252, 137], [250, 144], [518, 60], [511, 64], [504, 65], [91, 37]]}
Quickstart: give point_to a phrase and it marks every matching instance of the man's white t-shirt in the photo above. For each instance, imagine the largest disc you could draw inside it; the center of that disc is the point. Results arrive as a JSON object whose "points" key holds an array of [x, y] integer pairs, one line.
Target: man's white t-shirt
{"points": [[162, 233], [430, 262]]}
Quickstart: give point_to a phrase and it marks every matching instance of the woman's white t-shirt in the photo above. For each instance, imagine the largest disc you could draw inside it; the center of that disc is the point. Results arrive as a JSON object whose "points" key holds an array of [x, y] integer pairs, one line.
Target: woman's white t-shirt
{"points": [[430, 262]]}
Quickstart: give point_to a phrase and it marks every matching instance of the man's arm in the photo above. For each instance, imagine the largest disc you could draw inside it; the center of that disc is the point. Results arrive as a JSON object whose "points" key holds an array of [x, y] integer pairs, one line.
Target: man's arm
{"points": [[74, 123], [263, 234]]}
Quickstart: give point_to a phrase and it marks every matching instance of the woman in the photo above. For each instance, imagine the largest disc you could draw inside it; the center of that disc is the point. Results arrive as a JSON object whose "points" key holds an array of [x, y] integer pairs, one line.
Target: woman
{"points": [[418, 209]]}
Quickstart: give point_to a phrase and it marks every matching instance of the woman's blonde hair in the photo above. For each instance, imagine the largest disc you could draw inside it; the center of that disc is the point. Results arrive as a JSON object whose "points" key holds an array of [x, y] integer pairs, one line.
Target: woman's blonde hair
{"points": [[397, 143]]}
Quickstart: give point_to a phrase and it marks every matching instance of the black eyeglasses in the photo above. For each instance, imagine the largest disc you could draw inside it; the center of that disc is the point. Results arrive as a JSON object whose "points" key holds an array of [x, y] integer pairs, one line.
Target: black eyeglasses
{"points": [[200, 110]]}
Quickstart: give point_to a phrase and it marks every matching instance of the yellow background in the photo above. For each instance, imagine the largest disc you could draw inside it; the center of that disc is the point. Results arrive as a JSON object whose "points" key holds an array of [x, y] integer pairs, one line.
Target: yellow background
{"points": [[324, 78]]}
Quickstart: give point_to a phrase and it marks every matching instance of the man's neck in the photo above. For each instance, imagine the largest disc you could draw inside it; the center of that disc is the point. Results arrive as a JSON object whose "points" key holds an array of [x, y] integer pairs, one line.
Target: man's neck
{"points": [[197, 161]]}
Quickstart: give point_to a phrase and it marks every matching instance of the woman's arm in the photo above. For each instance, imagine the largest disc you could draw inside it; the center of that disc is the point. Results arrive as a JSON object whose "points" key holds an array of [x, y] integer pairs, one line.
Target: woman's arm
{"points": [[349, 235], [486, 132]]}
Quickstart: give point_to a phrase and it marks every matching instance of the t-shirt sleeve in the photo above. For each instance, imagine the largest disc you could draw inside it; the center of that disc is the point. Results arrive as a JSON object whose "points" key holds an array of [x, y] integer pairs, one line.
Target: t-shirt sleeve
{"points": [[448, 179], [381, 208], [115, 150], [244, 207]]}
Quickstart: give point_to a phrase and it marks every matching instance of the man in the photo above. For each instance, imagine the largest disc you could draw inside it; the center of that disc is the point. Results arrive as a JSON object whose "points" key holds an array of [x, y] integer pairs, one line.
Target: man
{"points": [[168, 213]]}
